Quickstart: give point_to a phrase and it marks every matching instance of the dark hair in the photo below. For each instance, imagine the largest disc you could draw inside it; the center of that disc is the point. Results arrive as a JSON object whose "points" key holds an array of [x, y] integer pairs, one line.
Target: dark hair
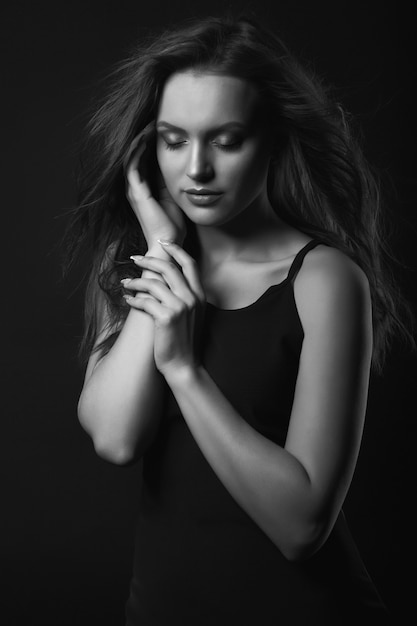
{"points": [[319, 180]]}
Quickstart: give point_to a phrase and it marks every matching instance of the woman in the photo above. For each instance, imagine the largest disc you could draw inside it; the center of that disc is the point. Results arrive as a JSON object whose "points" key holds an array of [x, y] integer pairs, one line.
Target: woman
{"points": [[233, 353]]}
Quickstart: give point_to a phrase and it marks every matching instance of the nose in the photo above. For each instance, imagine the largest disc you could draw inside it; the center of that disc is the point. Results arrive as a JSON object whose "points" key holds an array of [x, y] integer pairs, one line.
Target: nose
{"points": [[200, 166]]}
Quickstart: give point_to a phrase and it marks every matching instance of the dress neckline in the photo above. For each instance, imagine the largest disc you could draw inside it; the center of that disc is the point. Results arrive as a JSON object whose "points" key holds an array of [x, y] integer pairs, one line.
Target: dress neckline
{"points": [[295, 265]]}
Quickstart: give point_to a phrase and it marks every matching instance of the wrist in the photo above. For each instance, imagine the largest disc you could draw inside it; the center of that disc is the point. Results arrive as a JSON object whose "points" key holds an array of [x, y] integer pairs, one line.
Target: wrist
{"points": [[154, 244], [157, 251], [186, 375]]}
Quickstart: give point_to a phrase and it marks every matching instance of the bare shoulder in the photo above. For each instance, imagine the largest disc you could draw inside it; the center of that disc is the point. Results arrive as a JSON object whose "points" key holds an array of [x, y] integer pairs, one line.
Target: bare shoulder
{"points": [[325, 264], [330, 284]]}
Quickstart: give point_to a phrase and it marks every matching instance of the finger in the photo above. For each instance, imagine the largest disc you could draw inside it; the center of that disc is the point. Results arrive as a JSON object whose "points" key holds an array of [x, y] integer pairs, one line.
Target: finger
{"points": [[156, 288], [138, 189], [133, 177], [188, 266], [170, 274], [132, 153], [135, 171], [142, 295], [138, 146], [132, 161], [149, 305]]}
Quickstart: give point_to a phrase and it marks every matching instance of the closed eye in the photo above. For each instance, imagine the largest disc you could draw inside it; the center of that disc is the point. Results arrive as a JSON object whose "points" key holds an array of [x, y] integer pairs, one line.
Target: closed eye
{"points": [[228, 146], [228, 141], [173, 145]]}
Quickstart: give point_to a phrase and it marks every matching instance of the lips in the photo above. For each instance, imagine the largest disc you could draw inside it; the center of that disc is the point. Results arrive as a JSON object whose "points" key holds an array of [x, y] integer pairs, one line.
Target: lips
{"points": [[202, 196], [202, 191]]}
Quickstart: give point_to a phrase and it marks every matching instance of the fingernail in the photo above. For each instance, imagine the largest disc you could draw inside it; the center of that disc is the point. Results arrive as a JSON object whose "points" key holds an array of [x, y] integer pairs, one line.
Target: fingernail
{"points": [[125, 280], [136, 257], [164, 242]]}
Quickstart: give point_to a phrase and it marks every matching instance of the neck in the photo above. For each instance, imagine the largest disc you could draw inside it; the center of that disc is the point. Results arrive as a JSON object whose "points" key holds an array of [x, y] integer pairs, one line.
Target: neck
{"points": [[252, 235]]}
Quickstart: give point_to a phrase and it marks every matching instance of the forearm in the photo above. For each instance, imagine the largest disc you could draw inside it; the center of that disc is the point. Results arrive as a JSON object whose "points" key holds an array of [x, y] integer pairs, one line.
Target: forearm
{"points": [[121, 401], [269, 483]]}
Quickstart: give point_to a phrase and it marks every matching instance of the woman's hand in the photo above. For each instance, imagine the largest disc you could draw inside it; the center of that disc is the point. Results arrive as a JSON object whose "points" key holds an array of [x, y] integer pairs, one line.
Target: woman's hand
{"points": [[177, 307], [161, 219]]}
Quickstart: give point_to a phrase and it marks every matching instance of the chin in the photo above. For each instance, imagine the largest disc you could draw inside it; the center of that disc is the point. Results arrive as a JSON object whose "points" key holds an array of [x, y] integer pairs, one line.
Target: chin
{"points": [[215, 215], [207, 216], [204, 219]]}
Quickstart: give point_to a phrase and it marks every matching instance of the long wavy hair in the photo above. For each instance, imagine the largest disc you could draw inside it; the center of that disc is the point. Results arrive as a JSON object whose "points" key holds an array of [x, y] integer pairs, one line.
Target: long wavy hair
{"points": [[319, 180]]}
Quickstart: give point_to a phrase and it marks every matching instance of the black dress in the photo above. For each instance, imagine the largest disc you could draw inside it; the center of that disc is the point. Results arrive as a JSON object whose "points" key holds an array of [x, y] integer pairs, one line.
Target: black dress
{"points": [[200, 560]]}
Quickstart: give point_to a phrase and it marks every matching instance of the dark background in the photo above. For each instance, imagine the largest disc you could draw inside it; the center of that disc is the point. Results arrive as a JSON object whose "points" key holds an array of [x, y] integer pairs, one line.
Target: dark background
{"points": [[67, 516]]}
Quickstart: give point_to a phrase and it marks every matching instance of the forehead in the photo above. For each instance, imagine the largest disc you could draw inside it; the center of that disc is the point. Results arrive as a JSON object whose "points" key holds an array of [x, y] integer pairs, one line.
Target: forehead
{"points": [[192, 99]]}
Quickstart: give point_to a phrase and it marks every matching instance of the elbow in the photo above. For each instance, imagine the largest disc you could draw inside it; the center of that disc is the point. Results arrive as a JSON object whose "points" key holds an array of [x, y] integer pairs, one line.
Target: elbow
{"points": [[303, 543], [106, 444], [113, 453], [299, 551]]}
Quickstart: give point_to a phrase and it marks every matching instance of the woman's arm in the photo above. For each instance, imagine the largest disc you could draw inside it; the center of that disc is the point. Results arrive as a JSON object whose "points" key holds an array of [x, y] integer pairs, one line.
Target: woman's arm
{"points": [[121, 400], [294, 493]]}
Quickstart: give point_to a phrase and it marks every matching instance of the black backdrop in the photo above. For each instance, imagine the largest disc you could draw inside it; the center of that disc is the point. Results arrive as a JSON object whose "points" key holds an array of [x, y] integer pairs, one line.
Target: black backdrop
{"points": [[67, 516]]}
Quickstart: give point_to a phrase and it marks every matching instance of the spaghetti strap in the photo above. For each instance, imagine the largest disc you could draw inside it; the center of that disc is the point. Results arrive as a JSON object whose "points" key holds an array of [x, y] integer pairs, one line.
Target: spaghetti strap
{"points": [[299, 258]]}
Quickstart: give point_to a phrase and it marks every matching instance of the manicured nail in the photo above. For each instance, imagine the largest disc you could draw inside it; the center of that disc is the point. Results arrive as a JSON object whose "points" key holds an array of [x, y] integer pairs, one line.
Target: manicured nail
{"points": [[136, 257], [128, 297], [125, 280], [164, 242]]}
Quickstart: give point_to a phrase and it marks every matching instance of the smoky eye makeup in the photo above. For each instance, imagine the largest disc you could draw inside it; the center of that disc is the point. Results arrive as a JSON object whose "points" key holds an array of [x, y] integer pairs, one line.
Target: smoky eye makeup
{"points": [[228, 141], [171, 137], [221, 138], [171, 140]]}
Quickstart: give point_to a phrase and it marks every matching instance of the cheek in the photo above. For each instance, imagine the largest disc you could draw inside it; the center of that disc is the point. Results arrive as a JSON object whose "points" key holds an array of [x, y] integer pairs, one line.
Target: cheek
{"points": [[250, 172]]}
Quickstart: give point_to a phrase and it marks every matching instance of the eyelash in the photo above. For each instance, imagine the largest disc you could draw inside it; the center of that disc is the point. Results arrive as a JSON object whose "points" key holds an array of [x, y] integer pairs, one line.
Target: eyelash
{"points": [[173, 146], [226, 147]]}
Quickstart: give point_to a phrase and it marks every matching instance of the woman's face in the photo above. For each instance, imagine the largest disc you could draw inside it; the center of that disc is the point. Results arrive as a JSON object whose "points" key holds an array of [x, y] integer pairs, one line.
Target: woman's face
{"points": [[212, 149]]}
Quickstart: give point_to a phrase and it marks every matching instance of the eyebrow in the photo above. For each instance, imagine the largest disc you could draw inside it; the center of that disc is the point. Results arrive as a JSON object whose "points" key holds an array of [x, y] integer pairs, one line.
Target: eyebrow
{"points": [[162, 125]]}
